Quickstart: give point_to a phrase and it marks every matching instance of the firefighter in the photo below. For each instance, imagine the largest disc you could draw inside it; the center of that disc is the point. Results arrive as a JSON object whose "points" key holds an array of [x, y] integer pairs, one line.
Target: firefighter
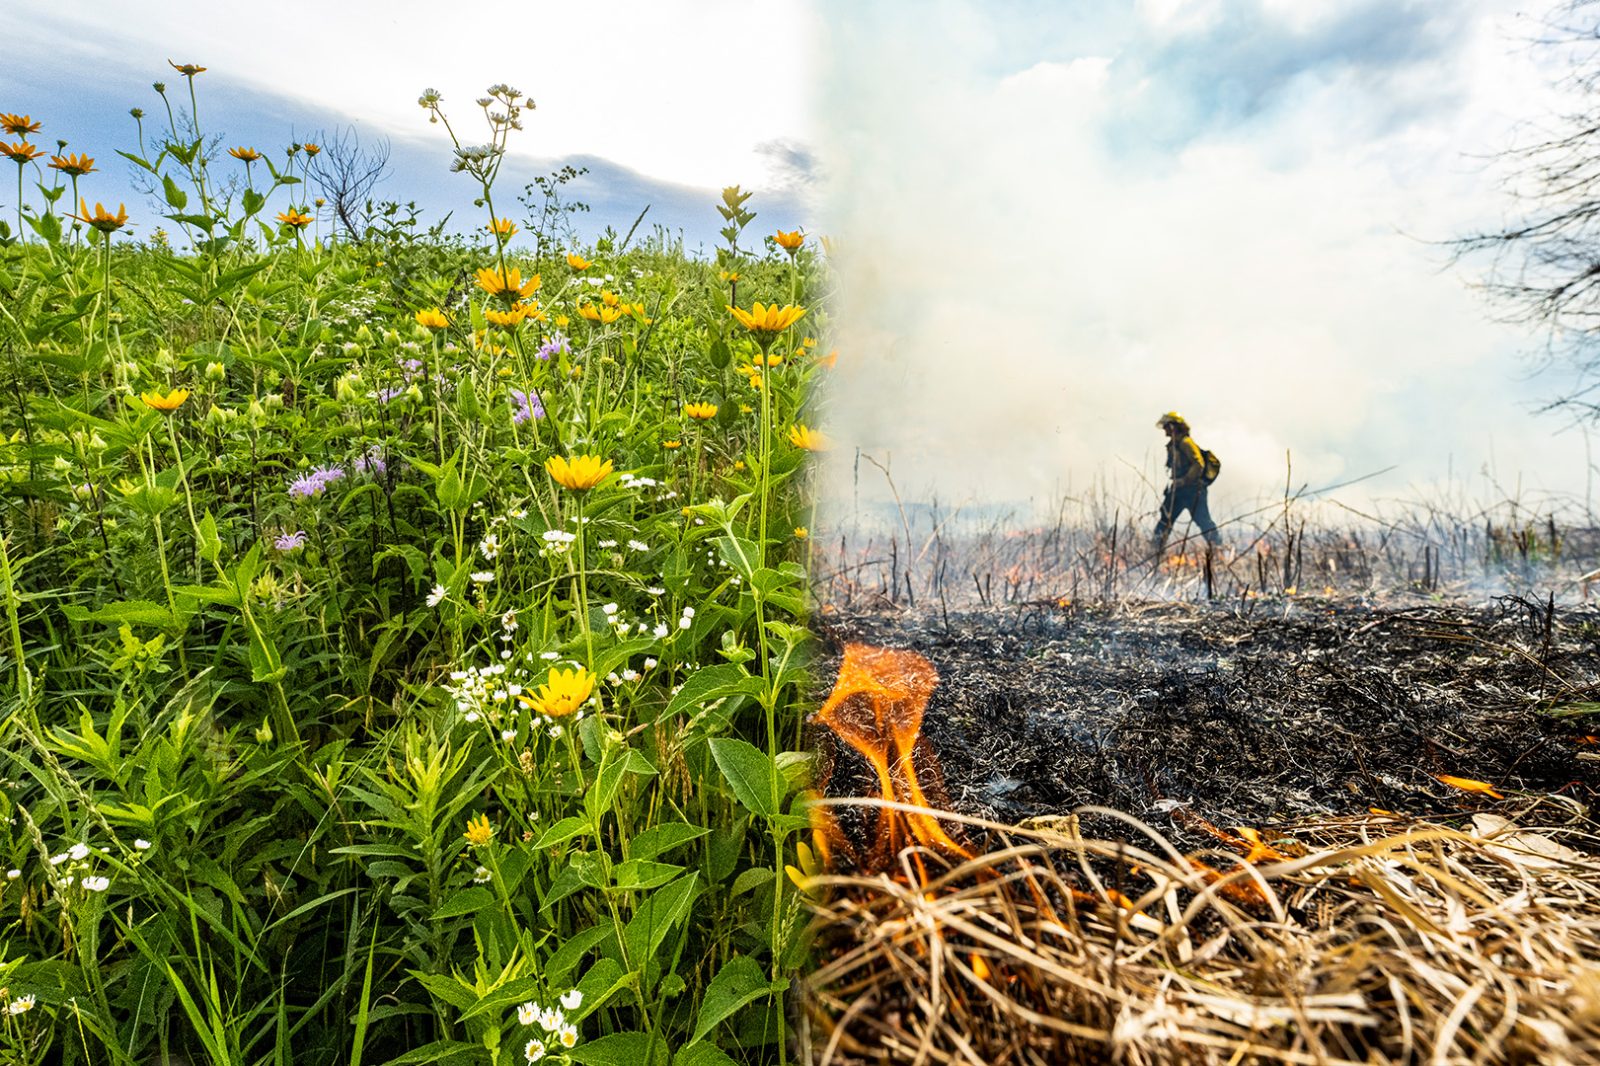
{"points": [[1187, 492]]}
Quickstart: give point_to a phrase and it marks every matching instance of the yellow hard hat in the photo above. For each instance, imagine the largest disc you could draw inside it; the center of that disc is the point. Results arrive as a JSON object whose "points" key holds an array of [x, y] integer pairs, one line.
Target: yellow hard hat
{"points": [[1171, 418]]}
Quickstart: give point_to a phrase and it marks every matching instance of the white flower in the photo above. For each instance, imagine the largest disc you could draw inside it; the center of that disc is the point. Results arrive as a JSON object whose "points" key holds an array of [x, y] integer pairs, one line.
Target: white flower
{"points": [[508, 735], [12, 875], [685, 622], [630, 675], [57, 860], [572, 1000], [96, 884], [481, 875], [141, 844], [534, 1051], [688, 612], [655, 591], [437, 596], [489, 546], [606, 543], [472, 716], [638, 545], [609, 609], [649, 664], [78, 852], [558, 536], [555, 732], [483, 577], [550, 656], [569, 1035], [551, 1019], [528, 1013], [660, 630], [21, 1005]]}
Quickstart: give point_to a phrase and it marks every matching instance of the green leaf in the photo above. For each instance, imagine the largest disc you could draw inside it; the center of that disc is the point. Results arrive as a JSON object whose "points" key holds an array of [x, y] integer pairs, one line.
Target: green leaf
{"points": [[748, 771], [702, 1055], [656, 916], [134, 612], [740, 554], [210, 541], [177, 199], [637, 875], [469, 900], [620, 1049], [563, 831], [740, 981], [712, 683], [660, 839]]}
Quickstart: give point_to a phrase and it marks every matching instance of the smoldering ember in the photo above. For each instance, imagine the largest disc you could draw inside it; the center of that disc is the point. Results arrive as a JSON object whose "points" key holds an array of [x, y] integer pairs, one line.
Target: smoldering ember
{"points": [[1293, 803]]}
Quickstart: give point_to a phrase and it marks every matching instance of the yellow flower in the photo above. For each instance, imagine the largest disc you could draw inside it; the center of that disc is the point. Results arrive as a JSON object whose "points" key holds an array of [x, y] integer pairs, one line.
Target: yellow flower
{"points": [[563, 693], [515, 316], [790, 242], [701, 411], [772, 360], [100, 218], [578, 262], [503, 226], [609, 298], [433, 318], [805, 875], [671, 444], [801, 532], [808, 342], [728, 275], [738, 464], [580, 473], [768, 320], [603, 315], [479, 831], [244, 155], [188, 70], [311, 149], [809, 439], [75, 165], [297, 219], [562, 321], [22, 153], [18, 125], [168, 403], [507, 284]]}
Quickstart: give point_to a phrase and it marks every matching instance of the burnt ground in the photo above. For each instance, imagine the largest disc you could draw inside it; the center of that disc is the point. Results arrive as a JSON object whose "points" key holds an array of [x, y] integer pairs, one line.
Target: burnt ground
{"points": [[1297, 709]]}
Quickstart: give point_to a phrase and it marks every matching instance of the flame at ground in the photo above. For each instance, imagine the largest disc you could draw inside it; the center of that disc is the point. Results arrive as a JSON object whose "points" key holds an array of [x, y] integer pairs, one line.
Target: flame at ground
{"points": [[876, 707]]}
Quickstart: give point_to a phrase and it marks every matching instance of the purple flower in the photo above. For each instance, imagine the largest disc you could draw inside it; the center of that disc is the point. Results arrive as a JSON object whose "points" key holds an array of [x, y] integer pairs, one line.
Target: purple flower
{"points": [[371, 463], [527, 407], [385, 395], [313, 482], [411, 367], [288, 542], [556, 345]]}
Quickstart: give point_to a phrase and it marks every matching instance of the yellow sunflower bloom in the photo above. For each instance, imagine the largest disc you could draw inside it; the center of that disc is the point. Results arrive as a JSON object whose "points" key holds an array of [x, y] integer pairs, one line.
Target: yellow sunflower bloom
{"points": [[768, 320], [244, 155], [18, 125], [790, 242], [311, 149], [580, 473], [507, 284], [564, 692], [670, 445], [603, 315], [168, 403], [479, 831], [433, 318], [514, 317], [700, 411], [101, 219], [578, 262], [503, 226], [801, 436], [296, 218], [74, 165], [21, 153], [609, 298], [188, 70]]}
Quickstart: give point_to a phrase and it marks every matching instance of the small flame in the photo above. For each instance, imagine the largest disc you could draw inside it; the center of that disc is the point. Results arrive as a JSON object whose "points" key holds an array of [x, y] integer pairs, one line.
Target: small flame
{"points": [[876, 707]]}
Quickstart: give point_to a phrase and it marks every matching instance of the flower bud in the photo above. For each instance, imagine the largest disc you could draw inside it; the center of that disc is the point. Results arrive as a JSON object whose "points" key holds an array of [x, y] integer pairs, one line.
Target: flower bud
{"points": [[216, 373]]}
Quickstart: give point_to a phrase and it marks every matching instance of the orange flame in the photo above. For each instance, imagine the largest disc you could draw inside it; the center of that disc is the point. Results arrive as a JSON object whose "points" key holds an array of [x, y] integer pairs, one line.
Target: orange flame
{"points": [[876, 707]]}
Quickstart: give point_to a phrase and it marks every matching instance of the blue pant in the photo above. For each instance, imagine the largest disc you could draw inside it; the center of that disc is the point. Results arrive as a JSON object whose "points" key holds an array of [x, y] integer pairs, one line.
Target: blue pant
{"points": [[1191, 498]]}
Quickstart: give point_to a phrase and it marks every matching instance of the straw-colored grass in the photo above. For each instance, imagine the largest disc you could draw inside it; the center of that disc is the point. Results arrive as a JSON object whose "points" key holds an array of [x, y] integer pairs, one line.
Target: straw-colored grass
{"points": [[1370, 940]]}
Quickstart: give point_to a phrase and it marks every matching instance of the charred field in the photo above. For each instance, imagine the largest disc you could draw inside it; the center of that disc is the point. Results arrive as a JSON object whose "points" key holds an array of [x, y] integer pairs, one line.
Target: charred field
{"points": [[1293, 709]]}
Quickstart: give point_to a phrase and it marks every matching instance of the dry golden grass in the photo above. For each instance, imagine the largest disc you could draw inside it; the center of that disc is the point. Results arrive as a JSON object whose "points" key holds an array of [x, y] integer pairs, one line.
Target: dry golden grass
{"points": [[1363, 940]]}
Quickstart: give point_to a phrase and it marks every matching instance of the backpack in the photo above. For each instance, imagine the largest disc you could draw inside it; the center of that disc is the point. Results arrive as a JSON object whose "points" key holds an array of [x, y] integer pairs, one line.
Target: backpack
{"points": [[1211, 466]]}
